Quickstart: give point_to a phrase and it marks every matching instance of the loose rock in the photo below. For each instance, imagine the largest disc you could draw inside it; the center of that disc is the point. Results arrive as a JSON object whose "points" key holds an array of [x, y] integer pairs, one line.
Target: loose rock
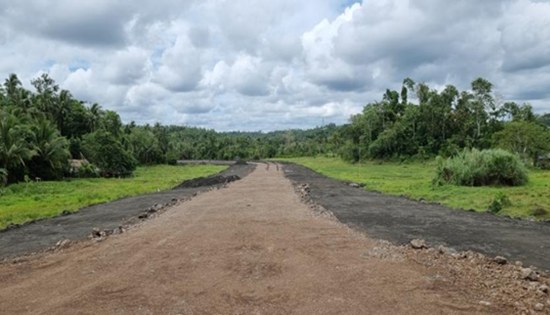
{"points": [[543, 288], [446, 250], [529, 274], [500, 260], [539, 307], [96, 232], [418, 244], [118, 230], [62, 243]]}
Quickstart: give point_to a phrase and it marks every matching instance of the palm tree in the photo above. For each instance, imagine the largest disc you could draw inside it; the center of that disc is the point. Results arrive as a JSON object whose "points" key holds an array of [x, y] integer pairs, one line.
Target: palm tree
{"points": [[63, 108], [14, 149], [52, 151], [12, 84], [95, 116]]}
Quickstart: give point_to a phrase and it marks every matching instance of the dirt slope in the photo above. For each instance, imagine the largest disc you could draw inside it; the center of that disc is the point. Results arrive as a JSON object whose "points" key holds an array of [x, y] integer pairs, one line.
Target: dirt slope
{"points": [[251, 248]]}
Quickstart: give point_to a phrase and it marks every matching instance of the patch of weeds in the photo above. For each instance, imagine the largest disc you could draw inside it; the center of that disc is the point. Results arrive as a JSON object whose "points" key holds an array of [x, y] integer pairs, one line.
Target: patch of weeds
{"points": [[539, 212], [501, 200]]}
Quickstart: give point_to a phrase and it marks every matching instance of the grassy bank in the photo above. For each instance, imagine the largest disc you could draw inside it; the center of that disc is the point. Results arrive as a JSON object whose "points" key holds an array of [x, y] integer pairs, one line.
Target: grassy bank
{"points": [[29, 201], [414, 180]]}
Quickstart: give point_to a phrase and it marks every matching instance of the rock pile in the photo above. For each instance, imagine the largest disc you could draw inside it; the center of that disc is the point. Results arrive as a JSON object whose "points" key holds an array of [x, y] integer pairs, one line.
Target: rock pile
{"points": [[495, 281]]}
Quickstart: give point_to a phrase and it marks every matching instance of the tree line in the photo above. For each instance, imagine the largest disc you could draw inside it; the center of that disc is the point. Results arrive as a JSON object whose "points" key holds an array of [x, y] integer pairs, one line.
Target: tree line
{"points": [[42, 130], [443, 123]]}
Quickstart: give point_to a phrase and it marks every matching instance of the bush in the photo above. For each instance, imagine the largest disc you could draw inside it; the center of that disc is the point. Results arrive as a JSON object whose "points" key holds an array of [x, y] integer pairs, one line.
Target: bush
{"points": [[481, 168], [500, 201], [88, 170]]}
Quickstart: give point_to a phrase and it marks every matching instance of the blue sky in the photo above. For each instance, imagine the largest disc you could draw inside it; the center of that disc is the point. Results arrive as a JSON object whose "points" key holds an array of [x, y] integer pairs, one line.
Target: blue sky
{"points": [[266, 65]]}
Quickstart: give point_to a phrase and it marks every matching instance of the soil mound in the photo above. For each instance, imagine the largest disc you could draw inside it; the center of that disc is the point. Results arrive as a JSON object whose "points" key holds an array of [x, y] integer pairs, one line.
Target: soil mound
{"points": [[208, 181]]}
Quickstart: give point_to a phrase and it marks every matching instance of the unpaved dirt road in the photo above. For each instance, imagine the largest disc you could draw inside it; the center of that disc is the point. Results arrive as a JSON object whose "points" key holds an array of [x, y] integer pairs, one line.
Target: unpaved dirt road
{"points": [[251, 248], [42, 234]]}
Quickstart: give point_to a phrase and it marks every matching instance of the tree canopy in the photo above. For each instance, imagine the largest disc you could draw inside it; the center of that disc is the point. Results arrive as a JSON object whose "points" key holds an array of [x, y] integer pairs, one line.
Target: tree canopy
{"points": [[41, 129]]}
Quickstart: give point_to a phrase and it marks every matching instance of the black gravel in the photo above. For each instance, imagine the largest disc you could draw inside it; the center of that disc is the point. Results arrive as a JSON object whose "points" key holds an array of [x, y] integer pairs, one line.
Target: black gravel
{"points": [[400, 220]]}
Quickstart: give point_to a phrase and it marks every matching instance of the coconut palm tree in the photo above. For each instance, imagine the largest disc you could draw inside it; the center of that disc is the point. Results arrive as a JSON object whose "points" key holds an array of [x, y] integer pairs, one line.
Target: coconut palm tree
{"points": [[15, 150], [52, 151], [12, 84]]}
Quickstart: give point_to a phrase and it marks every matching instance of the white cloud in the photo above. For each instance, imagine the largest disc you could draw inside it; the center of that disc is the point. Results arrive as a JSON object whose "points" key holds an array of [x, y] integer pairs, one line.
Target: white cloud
{"points": [[128, 66], [272, 64], [80, 83], [180, 68]]}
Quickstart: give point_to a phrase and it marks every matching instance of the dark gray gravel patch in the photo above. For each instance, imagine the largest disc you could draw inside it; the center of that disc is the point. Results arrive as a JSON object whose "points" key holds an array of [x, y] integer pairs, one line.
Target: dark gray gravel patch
{"points": [[400, 220], [43, 234]]}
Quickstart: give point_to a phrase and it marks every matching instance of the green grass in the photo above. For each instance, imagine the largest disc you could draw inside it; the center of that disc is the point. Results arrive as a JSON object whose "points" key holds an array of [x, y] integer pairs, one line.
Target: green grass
{"points": [[414, 180], [24, 202]]}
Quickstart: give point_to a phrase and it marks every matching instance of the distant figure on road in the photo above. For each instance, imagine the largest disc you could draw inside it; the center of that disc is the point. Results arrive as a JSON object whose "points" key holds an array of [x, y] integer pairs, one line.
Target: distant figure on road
{"points": [[267, 166]]}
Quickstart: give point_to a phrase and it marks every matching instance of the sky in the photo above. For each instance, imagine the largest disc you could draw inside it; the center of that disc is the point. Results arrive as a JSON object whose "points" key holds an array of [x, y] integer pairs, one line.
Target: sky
{"points": [[272, 64]]}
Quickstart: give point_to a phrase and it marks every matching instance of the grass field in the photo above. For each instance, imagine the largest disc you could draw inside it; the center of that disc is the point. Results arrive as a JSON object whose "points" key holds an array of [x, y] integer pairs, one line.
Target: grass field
{"points": [[414, 180], [24, 202]]}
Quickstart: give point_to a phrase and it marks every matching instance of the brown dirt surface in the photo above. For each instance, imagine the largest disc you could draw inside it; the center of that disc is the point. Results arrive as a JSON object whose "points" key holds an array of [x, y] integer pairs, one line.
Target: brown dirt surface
{"points": [[256, 248], [43, 234]]}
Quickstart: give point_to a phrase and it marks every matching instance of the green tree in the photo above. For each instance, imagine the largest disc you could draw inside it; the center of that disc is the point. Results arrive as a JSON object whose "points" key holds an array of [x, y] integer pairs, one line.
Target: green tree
{"points": [[544, 119], [528, 139], [52, 151], [15, 147], [110, 121], [144, 146], [104, 150]]}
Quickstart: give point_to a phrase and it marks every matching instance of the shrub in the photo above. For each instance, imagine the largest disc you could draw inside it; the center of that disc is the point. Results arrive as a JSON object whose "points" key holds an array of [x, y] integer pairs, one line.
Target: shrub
{"points": [[500, 201], [481, 168], [88, 170]]}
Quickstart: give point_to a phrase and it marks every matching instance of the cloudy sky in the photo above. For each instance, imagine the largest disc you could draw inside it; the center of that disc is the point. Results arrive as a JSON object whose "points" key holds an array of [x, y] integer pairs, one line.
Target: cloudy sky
{"points": [[272, 64]]}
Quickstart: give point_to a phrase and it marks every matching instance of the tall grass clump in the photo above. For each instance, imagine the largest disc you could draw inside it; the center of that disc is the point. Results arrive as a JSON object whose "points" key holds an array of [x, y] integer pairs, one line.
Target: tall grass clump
{"points": [[482, 168]]}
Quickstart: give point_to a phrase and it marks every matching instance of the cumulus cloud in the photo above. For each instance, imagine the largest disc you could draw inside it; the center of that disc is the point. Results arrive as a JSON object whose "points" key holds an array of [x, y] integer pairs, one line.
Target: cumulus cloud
{"points": [[264, 65], [180, 68], [128, 66]]}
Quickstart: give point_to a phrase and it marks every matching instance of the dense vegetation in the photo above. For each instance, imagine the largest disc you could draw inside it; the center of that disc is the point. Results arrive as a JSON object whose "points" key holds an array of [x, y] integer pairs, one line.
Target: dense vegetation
{"points": [[443, 123], [41, 129]]}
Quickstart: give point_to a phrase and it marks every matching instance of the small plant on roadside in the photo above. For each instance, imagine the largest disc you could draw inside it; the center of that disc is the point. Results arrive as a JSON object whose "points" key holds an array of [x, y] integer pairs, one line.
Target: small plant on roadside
{"points": [[500, 202], [481, 168]]}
